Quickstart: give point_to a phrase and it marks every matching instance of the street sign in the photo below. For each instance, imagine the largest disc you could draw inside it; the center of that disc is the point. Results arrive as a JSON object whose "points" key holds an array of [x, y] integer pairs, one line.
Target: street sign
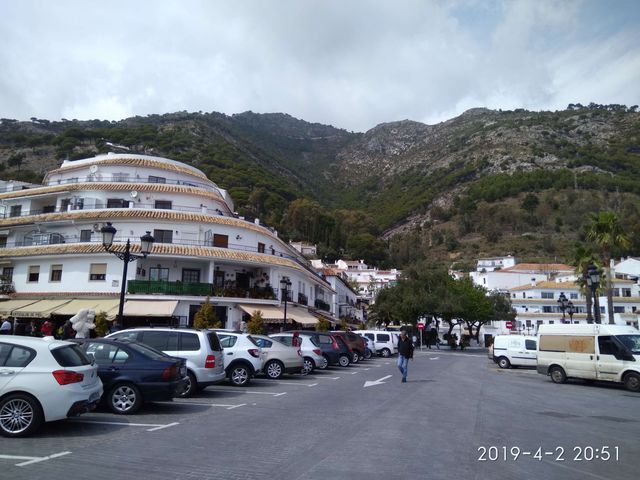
{"points": [[421, 326], [509, 325]]}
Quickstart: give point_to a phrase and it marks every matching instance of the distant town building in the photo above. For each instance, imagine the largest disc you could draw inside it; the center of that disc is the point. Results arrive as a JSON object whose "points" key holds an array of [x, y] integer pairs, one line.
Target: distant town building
{"points": [[306, 249]]}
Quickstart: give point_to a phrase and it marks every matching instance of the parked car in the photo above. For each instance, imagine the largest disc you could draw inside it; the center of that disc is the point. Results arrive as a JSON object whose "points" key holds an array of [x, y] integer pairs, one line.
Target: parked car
{"points": [[514, 350], [133, 373], [354, 342], [591, 352], [243, 357], [278, 358], [311, 352], [369, 347], [200, 348], [386, 342], [333, 348], [43, 380]]}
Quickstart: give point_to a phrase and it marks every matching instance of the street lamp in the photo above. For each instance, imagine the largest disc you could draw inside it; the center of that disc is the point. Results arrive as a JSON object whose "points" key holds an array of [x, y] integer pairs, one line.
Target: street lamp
{"points": [[146, 242], [593, 280], [562, 304], [285, 283], [571, 309]]}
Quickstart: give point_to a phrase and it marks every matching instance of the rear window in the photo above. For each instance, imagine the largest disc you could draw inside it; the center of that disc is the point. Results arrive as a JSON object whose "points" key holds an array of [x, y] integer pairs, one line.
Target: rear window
{"points": [[15, 356], [189, 342], [324, 339], [70, 356], [214, 341], [163, 341], [253, 340], [315, 341]]}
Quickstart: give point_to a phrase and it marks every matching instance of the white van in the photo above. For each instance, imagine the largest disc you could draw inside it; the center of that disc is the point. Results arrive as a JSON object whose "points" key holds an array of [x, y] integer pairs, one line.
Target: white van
{"points": [[514, 350], [590, 352], [386, 343]]}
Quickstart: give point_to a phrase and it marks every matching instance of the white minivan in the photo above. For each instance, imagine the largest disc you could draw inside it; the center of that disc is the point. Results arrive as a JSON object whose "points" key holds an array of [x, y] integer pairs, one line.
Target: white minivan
{"points": [[514, 351], [590, 352], [386, 343]]}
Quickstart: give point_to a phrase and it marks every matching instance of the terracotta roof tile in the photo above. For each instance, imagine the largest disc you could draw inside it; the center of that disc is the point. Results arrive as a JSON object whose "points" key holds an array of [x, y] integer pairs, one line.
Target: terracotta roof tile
{"points": [[539, 267]]}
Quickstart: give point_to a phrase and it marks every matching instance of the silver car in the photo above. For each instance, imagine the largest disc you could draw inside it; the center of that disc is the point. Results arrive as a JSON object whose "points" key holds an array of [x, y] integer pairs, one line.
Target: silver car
{"points": [[278, 358], [311, 353]]}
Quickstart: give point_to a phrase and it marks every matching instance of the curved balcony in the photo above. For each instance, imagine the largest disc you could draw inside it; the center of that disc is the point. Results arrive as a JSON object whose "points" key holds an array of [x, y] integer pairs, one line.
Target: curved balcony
{"points": [[151, 287]]}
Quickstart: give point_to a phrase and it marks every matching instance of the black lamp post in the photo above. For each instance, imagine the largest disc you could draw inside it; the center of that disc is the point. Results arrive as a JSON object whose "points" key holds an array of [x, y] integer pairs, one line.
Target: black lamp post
{"points": [[562, 304], [146, 242], [593, 280], [571, 309], [285, 283]]}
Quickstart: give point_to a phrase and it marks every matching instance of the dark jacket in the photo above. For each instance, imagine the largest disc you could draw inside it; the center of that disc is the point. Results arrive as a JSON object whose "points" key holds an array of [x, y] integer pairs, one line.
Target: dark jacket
{"points": [[405, 347]]}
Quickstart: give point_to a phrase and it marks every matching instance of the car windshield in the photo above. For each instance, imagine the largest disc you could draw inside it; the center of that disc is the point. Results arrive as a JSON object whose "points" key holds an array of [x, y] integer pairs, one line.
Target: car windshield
{"points": [[632, 342]]}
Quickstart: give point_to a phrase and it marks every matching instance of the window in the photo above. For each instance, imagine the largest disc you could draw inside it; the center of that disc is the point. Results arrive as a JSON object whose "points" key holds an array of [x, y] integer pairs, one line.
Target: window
{"points": [[618, 309], [153, 179], [120, 177], [227, 341], [546, 309], [214, 342], [117, 203], [85, 235], [286, 340], [7, 273], [49, 209], [260, 247], [189, 342], [163, 236], [190, 275], [163, 204], [547, 295], [263, 343], [221, 241], [15, 210], [616, 292], [383, 337], [163, 341], [626, 292], [70, 356], [607, 346], [64, 204], [55, 274], [15, 356], [98, 271], [3, 242], [573, 296], [530, 344], [159, 274], [34, 273]]}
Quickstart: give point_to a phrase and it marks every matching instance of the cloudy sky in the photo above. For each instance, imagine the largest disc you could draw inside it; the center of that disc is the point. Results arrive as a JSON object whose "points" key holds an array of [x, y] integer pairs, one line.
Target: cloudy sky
{"points": [[348, 63]]}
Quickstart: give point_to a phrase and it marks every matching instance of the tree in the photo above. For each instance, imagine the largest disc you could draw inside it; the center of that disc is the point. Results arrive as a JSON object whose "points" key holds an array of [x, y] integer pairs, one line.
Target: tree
{"points": [[606, 231], [102, 324], [256, 324], [323, 325], [530, 203], [582, 257], [206, 317]]}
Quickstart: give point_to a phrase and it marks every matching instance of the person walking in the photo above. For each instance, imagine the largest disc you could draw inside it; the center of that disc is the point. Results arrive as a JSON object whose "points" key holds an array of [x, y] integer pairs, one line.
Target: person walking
{"points": [[405, 352], [5, 328]]}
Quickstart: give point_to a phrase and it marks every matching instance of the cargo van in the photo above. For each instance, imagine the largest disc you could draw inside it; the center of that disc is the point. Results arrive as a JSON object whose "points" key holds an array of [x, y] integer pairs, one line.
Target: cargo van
{"points": [[514, 351], [591, 352], [386, 342]]}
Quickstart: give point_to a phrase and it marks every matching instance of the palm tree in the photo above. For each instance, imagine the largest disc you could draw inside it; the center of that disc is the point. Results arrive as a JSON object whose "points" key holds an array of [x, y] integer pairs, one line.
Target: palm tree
{"points": [[606, 231], [583, 257]]}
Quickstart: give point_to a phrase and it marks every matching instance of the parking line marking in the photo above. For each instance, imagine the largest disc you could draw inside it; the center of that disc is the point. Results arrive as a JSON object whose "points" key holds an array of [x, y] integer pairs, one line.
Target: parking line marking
{"points": [[163, 426], [298, 384], [236, 406], [31, 460], [98, 422], [201, 404], [353, 373], [247, 391], [365, 368]]}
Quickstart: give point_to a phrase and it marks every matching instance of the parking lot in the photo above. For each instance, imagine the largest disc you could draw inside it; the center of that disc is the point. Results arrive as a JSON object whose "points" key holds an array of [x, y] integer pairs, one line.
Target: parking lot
{"points": [[329, 424]]}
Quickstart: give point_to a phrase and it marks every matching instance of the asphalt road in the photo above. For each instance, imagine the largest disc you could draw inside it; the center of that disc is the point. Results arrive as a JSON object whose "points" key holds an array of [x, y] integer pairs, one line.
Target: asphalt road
{"points": [[459, 416]]}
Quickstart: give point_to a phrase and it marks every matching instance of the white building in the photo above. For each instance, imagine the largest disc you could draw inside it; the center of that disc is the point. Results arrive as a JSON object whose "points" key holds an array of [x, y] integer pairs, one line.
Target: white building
{"points": [[506, 278], [345, 303], [53, 260], [306, 249]]}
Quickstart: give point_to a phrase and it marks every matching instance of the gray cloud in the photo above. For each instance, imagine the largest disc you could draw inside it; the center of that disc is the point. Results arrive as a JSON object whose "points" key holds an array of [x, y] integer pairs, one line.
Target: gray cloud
{"points": [[352, 63]]}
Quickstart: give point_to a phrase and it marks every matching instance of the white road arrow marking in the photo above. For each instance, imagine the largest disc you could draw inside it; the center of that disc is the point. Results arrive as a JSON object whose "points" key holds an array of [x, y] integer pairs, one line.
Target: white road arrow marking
{"points": [[434, 358], [376, 382]]}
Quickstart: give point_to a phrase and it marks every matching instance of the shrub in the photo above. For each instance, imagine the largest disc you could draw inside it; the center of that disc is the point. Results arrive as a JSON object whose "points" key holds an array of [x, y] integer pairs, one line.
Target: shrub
{"points": [[256, 324], [206, 317]]}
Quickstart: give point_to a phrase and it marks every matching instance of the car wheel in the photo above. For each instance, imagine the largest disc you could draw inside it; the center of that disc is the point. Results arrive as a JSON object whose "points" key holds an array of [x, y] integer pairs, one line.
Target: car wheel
{"points": [[124, 399], [20, 415], [324, 363], [367, 354], [273, 369], [344, 360], [632, 382], [386, 352], [355, 358], [190, 387], [558, 375], [308, 365], [239, 376], [503, 362]]}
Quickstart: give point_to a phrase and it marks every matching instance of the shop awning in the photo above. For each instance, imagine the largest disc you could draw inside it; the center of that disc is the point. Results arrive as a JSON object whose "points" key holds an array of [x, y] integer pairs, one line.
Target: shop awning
{"points": [[270, 313], [150, 308], [75, 305], [302, 316], [40, 309], [10, 305]]}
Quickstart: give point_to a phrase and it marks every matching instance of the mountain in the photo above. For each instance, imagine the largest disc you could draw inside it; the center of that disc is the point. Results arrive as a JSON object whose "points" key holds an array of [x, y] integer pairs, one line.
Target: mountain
{"points": [[453, 190]]}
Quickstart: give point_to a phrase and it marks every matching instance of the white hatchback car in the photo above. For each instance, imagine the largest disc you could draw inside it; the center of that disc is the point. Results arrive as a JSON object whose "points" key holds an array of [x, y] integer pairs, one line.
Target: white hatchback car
{"points": [[278, 358], [242, 356], [43, 380], [311, 353]]}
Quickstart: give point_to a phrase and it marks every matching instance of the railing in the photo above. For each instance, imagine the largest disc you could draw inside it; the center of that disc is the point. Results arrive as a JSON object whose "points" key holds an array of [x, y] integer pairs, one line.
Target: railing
{"points": [[102, 178], [322, 305], [302, 299], [197, 289]]}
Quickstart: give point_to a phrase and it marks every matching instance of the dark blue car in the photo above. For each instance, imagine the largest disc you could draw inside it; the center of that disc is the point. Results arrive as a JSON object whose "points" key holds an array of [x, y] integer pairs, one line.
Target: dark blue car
{"points": [[133, 373]]}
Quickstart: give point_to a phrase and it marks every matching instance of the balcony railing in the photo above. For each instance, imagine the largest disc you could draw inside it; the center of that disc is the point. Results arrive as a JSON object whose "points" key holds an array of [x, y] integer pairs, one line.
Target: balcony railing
{"points": [[197, 289], [322, 305], [302, 299]]}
